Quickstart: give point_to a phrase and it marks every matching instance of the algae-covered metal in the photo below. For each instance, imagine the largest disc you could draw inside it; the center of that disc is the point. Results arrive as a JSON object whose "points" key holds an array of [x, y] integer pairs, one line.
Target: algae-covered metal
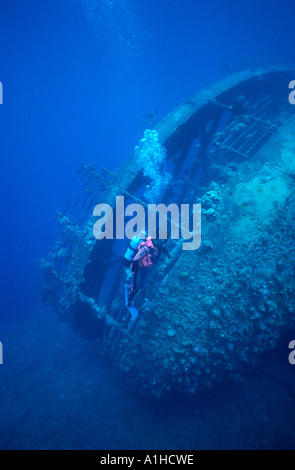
{"points": [[207, 312]]}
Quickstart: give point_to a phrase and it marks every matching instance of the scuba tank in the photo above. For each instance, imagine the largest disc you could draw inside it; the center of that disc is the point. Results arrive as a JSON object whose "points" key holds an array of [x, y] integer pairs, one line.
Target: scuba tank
{"points": [[133, 248]]}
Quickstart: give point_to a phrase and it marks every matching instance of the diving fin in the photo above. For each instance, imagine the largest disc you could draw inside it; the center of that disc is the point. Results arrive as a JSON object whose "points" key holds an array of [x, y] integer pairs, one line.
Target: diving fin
{"points": [[132, 310], [134, 314]]}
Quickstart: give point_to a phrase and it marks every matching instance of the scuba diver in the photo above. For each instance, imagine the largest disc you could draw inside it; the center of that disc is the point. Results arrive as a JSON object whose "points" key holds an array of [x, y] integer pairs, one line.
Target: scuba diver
{"points": [[148, 254]]}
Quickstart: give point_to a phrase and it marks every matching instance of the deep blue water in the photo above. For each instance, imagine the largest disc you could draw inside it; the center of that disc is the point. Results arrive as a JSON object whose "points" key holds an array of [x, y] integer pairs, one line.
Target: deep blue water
{"points": [[78, 77]]}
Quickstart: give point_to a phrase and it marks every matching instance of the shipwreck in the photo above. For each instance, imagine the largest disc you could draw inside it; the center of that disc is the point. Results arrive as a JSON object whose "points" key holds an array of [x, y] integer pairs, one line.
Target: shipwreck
{"points": [[210, 311]]}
